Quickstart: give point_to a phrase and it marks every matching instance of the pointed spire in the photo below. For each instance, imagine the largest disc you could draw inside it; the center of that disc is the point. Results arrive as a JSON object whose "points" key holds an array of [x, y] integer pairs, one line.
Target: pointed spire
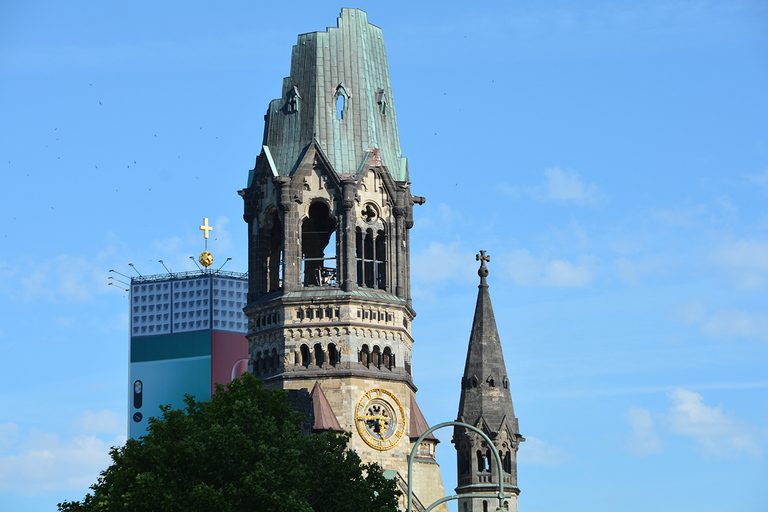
{"points": [[485, 396]]}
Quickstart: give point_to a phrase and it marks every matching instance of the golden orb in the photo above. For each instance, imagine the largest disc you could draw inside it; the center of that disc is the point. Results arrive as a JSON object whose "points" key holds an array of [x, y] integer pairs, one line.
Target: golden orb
{"points": [[206, 259]]}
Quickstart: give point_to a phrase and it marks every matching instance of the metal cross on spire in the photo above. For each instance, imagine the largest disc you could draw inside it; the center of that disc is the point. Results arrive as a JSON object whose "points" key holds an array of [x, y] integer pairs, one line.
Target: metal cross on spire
{"points": [[483, 271]]}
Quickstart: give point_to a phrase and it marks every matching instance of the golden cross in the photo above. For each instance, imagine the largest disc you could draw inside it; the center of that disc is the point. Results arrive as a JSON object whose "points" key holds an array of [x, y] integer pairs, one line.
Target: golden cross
{"points": [[206, 228]]}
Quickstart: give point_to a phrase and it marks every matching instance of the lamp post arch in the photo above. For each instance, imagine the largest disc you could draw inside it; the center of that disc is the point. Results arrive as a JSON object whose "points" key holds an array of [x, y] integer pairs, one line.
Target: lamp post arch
{"points": [[500, 495]]}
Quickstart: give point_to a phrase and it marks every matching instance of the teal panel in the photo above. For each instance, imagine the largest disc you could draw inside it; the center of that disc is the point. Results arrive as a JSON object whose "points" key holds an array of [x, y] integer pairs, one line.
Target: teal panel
{"points": [[171, 346], [165, 383]]}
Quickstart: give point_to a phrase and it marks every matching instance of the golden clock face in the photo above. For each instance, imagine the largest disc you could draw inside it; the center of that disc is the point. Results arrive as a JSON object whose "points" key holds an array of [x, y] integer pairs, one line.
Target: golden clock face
{"points": [[380, 419]]}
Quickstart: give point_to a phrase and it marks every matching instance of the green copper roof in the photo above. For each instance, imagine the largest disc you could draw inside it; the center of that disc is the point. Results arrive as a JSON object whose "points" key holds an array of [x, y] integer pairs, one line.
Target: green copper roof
{"points": [[349, 61]]}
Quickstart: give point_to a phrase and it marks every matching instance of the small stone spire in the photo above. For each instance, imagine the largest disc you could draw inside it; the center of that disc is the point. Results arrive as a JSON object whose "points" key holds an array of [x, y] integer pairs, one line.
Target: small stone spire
{"points": [[486, 402]]}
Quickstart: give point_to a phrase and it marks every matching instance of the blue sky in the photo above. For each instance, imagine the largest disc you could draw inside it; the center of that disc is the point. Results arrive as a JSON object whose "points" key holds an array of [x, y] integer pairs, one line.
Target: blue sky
{"points": [[611, 157]]}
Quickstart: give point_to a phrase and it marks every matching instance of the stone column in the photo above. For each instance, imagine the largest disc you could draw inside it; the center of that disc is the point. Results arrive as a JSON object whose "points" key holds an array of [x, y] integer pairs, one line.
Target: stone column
{"points": [[291, 249], [349, 235]]}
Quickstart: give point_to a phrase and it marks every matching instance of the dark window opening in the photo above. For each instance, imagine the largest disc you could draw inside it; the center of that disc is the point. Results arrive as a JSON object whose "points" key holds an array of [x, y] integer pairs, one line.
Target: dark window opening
{"points": [[318, 233], [275, 257], [376, 357], [464, 464], [480, 462], [365, 359], [388, 359], [371, 252], [305, 356], [257, 363], [319, 355], [507, 462], [333, 354]]}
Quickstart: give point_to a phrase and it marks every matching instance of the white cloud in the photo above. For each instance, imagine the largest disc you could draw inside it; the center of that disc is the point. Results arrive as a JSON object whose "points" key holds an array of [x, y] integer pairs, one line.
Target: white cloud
{"points": [[746, 261], [760, 179], [64, 277], [716, 433], [566, 185], [36, 462], [682, 218], [632, 271], [643, 439], [689, 313], [440, 263], [221, 239], [169, 245], [737, 324], [527, 270], [102, 422], [724, 324], [538, 451], [79, 279]]}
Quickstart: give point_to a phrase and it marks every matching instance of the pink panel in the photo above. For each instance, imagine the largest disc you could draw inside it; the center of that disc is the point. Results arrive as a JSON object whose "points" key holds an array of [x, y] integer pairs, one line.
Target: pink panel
{"points": [[229, 357]]}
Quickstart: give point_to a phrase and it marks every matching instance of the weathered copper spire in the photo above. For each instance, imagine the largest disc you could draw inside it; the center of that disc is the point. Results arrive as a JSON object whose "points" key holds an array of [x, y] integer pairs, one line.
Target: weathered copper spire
{"points": [[486, 403]]}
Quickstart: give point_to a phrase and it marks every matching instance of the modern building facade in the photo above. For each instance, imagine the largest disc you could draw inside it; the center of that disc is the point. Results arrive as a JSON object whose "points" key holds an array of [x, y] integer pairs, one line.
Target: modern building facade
{"points": [[187, 334]]}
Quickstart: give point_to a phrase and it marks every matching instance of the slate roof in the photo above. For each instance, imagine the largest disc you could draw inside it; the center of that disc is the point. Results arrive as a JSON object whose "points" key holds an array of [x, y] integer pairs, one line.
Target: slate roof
{"points": [[418, 424], [349, 59], [485, 395], [324, 417]]}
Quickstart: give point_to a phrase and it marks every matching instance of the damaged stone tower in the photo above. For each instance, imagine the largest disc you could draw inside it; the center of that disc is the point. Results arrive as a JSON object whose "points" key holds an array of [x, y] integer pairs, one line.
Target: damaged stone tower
{"points": [[329, 209]]}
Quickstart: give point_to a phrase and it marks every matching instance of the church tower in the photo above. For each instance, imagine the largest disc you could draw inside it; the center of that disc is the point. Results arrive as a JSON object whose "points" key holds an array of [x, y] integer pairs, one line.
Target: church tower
{"points": [[329, 209], [486, 403]]}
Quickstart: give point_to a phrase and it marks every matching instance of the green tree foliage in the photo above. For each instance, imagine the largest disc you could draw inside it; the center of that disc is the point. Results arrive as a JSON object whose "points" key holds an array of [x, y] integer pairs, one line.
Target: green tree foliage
{"points": [[241, 451]]}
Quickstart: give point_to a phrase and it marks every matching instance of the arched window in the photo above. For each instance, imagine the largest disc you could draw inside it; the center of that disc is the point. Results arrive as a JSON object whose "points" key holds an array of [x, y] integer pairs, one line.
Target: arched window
{"points": [[256, 363], [365, 354], [319, 355], [376, 357], [305, 361], [333, 354], [275, 359], [507, 462], [318, 233], [480, 461], [387, 359], [341, 98], [341, 103]]}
